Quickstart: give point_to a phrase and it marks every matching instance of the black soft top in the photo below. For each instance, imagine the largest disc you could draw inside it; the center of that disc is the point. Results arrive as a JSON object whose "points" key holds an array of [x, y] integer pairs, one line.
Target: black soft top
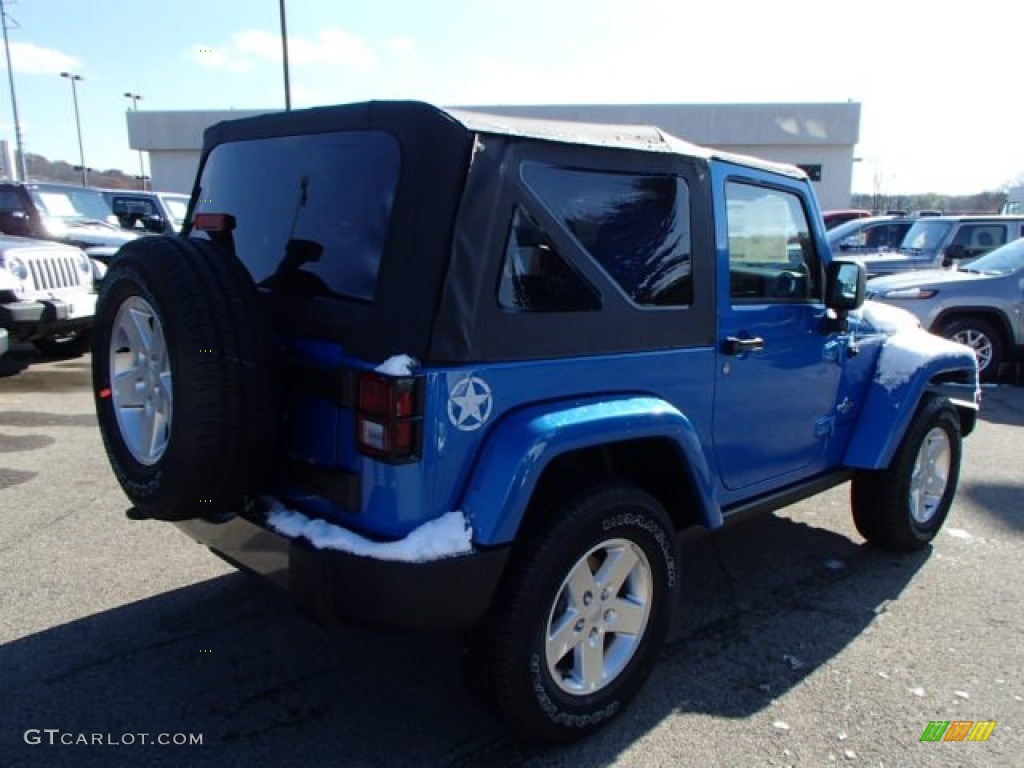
{"points": [[435, 285]]}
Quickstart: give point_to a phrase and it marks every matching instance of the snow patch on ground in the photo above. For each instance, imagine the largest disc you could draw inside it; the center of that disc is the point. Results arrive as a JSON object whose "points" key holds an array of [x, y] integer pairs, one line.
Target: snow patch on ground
{"points": [[398, 365], [908, 350], [447, 536]]}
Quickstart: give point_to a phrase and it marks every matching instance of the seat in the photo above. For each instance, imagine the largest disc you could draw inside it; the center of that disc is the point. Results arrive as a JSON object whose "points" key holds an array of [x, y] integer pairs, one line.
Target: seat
{"points": [[984, 239]]}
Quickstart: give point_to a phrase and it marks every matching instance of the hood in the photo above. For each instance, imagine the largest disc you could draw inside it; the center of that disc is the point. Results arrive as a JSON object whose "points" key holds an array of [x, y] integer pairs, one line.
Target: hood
{"points": [[86, 235], [926, 278], [875, 317]]}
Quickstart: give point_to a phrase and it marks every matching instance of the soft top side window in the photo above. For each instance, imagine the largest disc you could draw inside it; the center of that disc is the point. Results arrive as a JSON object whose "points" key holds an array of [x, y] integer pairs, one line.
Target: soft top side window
{"points": [[536, 277], [635, 226]]}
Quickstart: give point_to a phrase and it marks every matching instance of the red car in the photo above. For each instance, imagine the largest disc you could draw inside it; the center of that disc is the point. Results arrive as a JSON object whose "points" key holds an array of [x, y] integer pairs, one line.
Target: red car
{"points": [[835, 218]]}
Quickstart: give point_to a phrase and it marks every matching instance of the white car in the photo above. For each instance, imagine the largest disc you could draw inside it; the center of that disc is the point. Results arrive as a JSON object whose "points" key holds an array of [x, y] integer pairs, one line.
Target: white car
{"points": [[47, 295]]}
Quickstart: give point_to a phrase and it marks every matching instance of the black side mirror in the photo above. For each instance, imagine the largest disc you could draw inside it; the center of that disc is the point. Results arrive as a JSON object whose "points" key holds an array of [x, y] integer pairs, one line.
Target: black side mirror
{"points": [[845, 285], [154, 223], [15, 223], [845, 289], [952, 253]]}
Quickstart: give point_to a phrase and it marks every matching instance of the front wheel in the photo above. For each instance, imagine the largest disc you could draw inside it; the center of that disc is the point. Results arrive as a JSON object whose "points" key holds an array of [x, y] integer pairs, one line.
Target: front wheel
{"points": [[581, 617], [902, 508], [984, 338]]}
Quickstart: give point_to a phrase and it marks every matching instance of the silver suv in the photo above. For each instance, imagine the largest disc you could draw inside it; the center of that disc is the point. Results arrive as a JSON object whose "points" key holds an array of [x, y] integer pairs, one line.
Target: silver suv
{"points": [[939, 241], [47, 295], [979, 304]]}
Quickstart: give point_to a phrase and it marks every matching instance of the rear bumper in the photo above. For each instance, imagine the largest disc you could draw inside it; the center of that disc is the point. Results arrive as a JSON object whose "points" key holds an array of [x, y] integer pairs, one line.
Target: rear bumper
{"points": [[338, 587], [34, 319]]}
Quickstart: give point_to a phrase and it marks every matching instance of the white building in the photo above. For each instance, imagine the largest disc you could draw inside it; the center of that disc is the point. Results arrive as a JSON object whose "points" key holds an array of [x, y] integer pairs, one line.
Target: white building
{"points": [[818, 137]]}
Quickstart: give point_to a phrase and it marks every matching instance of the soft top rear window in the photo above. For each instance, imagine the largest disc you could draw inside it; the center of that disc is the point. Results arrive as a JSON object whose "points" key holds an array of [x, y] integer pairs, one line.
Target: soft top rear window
{"points": [[311, 211]]}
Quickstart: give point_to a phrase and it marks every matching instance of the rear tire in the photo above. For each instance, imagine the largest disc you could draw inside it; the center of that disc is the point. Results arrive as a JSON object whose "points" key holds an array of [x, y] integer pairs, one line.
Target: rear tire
{"points": [[902, 508], [580, 618], [184, 379], [984, 338]]}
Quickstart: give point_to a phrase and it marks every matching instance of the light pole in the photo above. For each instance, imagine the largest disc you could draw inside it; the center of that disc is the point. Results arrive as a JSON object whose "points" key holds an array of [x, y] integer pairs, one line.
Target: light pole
{"points": [[136, 98], [14, 101], [284, 53], [78, 123]]}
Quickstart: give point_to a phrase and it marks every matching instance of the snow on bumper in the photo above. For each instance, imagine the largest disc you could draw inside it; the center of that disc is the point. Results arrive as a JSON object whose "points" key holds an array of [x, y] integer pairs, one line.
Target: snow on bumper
{"points": [[431, 580]]}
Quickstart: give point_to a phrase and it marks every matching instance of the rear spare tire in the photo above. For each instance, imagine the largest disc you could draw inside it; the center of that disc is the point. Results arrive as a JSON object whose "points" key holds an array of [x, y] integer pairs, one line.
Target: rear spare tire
{"points": [[184, 378]]}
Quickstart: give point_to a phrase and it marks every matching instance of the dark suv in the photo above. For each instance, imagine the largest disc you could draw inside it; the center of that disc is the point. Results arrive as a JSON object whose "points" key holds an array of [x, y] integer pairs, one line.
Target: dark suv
{"points": [[433, 370], [78, 216]]}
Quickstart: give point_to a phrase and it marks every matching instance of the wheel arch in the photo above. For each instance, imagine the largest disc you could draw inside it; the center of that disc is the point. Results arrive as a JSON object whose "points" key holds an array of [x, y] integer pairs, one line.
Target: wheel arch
{"points": [[889, 410], [544, 454], [989, 314]]}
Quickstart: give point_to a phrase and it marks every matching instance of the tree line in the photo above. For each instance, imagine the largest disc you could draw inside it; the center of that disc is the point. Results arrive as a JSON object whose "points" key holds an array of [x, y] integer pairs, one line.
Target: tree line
{"points": [[983, 202], [41, 169]]}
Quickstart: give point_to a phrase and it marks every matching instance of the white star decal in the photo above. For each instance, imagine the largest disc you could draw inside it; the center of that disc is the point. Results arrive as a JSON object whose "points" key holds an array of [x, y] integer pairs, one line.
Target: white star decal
{"points": [[469, 404]]}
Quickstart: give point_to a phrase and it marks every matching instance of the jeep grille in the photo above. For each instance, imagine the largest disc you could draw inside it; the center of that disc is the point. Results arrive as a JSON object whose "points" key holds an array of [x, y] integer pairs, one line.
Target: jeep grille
{"points": [[53, 272]]}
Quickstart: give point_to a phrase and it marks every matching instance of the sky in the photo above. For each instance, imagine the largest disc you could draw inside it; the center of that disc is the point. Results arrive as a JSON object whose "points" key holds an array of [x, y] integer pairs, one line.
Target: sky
{"points": [[936, 82]]}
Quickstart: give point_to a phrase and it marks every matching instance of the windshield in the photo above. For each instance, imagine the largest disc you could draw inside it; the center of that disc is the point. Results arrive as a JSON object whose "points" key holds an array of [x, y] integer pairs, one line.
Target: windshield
{"points": [[1008, 258], [925, 236], [70, 205], [846, 229], [177, 207]]}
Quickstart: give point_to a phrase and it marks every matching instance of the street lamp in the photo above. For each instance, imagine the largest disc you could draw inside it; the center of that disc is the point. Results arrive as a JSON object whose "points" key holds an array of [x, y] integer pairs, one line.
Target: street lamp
{"points": [[78, 123], [21, 167], [284, 52], [136, 98]]}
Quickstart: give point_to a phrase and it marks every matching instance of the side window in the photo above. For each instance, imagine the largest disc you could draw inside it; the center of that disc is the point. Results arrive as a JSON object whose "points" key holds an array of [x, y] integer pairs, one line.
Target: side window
{"points": [[978, 238], [132, 211], [636, 227], [9, 200], [771, 253], [536, 277]]}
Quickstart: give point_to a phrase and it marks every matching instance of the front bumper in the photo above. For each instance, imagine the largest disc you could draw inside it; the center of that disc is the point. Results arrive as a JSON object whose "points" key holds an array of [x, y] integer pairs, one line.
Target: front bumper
{"points": [[338, 587], [35, 319]]}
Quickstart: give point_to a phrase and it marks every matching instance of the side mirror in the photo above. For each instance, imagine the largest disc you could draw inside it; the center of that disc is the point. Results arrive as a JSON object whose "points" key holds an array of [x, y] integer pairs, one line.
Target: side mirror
{"points": [[15, 223], [845, 285], [952, 253], [845, 288], [154, 223]]}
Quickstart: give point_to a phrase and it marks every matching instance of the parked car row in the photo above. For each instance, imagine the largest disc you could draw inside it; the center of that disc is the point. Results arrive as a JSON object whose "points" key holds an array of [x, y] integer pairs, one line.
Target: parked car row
{"points": [[96, 220], [978, 303], [941, 241]]}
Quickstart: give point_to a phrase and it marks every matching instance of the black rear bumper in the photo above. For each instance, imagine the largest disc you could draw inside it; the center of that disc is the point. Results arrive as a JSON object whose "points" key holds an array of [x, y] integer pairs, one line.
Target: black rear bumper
{"points": [[338, 587]]}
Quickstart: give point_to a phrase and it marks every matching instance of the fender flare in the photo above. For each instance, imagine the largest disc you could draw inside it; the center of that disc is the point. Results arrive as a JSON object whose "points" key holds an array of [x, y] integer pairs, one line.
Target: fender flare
{"points": [[890, 406], [520, 447]]}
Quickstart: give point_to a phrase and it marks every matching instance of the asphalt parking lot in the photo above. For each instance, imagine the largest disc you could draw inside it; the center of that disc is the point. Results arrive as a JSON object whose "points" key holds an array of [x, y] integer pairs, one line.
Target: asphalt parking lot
{"points": [[795, 643]]}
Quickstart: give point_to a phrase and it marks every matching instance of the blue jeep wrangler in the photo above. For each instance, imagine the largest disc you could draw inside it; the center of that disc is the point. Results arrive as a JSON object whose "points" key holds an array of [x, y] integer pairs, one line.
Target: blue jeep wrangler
{"points": [[432, 369]]}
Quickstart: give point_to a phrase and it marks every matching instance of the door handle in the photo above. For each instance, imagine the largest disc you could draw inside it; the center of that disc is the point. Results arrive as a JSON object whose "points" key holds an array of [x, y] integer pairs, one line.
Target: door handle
{"points": [[736, 346]]}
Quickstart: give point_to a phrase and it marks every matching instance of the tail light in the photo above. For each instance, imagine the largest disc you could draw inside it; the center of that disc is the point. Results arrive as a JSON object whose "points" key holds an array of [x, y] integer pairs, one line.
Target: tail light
{"points": [[389, 417]]}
